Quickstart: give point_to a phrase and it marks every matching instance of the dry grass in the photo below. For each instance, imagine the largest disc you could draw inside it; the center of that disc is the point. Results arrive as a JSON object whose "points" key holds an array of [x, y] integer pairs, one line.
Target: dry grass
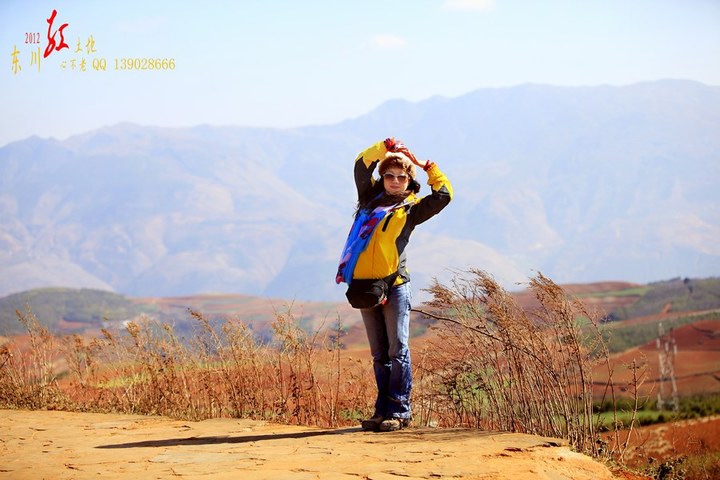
{"points": [[493, 366], [497, 366], [221, 370], [28, 380]]}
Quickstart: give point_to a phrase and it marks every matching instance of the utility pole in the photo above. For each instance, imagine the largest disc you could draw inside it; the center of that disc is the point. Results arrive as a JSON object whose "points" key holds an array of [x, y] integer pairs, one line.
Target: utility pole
{"points": [[667, 350]]}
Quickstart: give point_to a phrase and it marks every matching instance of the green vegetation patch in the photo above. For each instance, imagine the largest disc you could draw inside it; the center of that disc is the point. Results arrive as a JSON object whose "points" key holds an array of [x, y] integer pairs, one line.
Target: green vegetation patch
{"points": [[680, 295], [52, 305], [694, 406], [621, 337], [628, 292]]}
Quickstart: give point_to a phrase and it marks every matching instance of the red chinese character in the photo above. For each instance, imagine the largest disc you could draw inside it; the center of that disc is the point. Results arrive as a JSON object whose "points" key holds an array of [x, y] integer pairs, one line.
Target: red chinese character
{"points": [[51, 38]]}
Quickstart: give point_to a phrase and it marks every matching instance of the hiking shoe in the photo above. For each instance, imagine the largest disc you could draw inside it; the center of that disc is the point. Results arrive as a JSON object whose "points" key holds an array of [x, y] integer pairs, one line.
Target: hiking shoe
{"points": [[372, 423], [393, 424]]}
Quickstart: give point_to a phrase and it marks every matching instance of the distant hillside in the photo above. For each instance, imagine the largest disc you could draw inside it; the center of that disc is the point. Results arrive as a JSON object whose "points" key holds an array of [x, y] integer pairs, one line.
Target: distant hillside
{"points": [[634, 313], [677, 295], [635, 309], [582, 184], [624, 335], [65, 311], [696, 360]]}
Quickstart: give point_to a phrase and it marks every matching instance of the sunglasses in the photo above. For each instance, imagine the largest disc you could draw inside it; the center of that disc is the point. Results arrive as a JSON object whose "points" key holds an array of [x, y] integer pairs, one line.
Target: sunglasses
{"points": [[390, 177]]}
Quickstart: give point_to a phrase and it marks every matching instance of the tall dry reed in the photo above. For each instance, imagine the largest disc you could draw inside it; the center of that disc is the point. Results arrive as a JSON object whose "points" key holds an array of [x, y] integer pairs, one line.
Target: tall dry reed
{"points": [[497, 366]]}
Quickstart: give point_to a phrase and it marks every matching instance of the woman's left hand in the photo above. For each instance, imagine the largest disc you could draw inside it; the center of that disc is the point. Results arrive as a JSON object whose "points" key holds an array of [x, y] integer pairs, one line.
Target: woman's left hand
{"points": [[422, 164], [396, 145]]}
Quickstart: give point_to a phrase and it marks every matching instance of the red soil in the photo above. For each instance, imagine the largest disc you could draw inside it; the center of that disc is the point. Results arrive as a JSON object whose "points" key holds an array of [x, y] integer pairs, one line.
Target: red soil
{"points": [[696, 362], [668, 441]]}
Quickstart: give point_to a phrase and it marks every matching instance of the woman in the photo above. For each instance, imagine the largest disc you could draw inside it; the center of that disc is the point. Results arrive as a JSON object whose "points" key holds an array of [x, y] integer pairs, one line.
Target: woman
{"points": [[388, 211]]}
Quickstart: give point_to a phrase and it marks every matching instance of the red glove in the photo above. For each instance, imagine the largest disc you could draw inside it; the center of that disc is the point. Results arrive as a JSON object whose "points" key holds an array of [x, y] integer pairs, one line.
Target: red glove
{"points": [[393, 145], [390, 144]]}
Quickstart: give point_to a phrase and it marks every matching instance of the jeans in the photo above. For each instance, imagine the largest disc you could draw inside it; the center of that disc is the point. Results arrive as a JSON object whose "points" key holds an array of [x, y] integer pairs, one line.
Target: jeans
{"points": [[388, 331]]}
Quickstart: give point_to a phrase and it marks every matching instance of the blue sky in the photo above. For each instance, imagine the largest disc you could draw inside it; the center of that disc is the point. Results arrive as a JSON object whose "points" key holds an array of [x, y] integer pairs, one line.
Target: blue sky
{"points": [[295, 63]]}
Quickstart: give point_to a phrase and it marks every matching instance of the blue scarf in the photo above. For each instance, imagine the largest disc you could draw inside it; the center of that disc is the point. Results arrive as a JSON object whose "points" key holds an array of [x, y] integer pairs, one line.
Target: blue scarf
{"points": [[362, 229]]}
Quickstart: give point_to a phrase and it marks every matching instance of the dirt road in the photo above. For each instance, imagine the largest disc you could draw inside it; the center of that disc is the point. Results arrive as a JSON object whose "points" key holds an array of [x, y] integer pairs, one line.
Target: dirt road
{"points": [[62, 445]]}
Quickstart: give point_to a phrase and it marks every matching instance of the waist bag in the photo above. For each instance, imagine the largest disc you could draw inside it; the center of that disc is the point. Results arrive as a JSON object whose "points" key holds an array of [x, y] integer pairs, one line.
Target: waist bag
{"points": [[369, 293]]}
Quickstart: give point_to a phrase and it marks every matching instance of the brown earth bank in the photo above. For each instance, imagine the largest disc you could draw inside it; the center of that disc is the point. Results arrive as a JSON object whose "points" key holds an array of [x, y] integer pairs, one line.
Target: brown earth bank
{"points": [[665, 441], [65, 445]]}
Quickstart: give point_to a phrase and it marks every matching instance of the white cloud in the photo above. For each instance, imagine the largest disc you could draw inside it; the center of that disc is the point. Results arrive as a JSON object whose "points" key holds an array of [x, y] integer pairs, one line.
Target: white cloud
{"points": [[388, 41], [467, 5]]}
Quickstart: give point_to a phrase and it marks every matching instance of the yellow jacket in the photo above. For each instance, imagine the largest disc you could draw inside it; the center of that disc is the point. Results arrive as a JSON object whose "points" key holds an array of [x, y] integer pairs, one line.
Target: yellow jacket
{"points": [[385, 252]]}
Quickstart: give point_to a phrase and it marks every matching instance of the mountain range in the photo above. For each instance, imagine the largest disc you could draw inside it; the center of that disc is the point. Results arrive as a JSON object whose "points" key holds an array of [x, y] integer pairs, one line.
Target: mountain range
{"points": [[581, 183]]}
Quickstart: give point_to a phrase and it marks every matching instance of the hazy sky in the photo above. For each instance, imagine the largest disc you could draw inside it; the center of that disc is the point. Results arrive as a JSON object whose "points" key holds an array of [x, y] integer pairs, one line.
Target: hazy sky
{"points": [[296, 63]]}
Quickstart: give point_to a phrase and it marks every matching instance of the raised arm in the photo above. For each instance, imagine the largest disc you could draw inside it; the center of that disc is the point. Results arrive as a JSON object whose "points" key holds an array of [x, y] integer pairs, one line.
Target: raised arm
{"points": [[442, 193], [365, 165]]}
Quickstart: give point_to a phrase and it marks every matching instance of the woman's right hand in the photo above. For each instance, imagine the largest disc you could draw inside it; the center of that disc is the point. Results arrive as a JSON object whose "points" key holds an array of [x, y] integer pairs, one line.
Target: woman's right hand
{"points": [[391, 144], [394, 145]]}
